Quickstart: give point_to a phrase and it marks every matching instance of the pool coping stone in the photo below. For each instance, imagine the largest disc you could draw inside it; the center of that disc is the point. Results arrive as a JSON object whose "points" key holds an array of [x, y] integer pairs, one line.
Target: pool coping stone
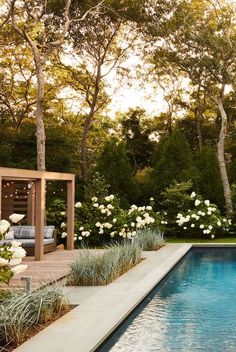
{"points": [[101, 309]]}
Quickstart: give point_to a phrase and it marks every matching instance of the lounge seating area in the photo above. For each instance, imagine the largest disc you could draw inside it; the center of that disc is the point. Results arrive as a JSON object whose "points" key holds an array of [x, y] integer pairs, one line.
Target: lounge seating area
{"points": [[26, 236]]}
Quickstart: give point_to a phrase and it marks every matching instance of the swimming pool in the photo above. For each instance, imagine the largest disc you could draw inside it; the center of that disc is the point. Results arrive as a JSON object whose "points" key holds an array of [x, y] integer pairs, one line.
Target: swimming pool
{"points": [[192, 309]]}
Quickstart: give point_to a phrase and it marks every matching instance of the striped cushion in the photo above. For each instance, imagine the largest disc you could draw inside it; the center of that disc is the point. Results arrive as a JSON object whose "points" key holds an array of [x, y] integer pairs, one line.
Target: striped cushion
{"points": [[48, 231], [28, 232]]}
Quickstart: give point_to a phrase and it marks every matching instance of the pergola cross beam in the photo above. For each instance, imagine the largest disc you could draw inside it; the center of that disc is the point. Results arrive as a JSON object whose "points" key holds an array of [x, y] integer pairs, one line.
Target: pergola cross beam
{"points": [[40, 178]]}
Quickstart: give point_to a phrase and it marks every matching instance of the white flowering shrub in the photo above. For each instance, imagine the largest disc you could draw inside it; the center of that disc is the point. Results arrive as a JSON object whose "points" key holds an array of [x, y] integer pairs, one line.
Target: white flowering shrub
{"points": [[99, 220], [204, 218], [190, 214], [10, 253]]}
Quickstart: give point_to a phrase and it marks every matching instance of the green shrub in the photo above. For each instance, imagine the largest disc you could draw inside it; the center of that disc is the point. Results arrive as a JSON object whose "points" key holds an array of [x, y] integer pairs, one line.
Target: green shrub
{"points": [[150, 239], [22, 311], [93, 270]]}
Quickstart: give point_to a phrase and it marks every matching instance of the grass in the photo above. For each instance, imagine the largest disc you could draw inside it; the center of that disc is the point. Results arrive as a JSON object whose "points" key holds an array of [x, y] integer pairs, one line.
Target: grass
{"points": [[95, 270], [21, 313], [201, 240], [150, 239]]}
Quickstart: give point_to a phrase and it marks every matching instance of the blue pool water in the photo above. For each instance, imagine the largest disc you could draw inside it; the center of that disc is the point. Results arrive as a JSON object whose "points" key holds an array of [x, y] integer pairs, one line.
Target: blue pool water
{"points": [[192, 309]]}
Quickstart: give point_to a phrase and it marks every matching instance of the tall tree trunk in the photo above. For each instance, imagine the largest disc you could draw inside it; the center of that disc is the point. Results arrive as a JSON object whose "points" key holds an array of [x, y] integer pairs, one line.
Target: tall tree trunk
{"points": [[39, 114], [198, 127], [83, 148], [221, 157]]}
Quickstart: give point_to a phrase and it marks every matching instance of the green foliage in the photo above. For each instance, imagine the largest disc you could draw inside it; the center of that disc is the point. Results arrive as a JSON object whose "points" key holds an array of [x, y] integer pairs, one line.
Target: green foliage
{"points": [[143, 181], [22, 312], [114, 165], [176, 198], [6, 274], [102, 268], [209, 176], [150, 239], [56, 215], [173, 162], [138, 145], [96, 187]]}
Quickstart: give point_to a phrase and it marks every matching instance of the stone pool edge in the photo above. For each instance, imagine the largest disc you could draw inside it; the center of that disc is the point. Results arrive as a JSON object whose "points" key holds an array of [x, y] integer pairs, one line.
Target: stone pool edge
{"points": [[103, 308]]}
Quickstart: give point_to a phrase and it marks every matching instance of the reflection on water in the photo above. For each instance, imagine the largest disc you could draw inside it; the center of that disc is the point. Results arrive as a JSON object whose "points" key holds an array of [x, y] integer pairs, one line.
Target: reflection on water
{"points": [[193, 309]]}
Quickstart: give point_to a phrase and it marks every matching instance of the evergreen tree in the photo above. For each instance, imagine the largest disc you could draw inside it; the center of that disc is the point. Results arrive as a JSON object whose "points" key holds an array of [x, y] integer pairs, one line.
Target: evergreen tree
{"points": [[210, 185], [114, 165], [173, 161]]}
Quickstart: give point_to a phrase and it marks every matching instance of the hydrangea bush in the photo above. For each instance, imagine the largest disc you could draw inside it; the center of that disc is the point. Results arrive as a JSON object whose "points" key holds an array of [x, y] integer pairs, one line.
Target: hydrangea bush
{"points": [[99, 220], [9, 253], [202, 218]]}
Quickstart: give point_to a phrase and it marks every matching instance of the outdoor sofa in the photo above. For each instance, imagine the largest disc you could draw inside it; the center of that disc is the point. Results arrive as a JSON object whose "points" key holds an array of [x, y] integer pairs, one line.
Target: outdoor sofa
{"points": [[26, 236]]}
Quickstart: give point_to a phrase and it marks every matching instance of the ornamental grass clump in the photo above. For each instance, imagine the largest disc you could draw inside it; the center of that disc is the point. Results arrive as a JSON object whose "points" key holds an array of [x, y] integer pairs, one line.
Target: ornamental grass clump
{"points": [[150, 239], [95, 270], [22, 313]]}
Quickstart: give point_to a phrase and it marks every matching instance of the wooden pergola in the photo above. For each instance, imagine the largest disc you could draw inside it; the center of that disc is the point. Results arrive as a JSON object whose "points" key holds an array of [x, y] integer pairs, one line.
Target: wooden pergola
{"points": [[39, 178]]}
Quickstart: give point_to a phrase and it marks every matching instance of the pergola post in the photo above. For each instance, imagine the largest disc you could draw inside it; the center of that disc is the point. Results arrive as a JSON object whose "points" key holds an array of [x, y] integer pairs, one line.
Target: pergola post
{"points": [[0, 197], [39, 218], [70, 214]]}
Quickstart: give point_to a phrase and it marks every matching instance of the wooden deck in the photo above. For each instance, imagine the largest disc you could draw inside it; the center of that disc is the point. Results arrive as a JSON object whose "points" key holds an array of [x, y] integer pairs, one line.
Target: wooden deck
{"points": [[54, 267]]}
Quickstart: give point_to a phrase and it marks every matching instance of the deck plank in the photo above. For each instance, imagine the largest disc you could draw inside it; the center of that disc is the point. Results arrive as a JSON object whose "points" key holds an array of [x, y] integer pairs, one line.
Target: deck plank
{"points": [[53, 267]]}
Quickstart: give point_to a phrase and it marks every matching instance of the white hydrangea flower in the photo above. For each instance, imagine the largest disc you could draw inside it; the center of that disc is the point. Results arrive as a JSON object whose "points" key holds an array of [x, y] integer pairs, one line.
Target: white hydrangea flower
{"points": [[15, 244], [149, 207], [81, 228], [94, 199], [218, 223], [114, 220], [103, 211], [63, 225], [110, 206], [212, 236], [80, 238], [193, 195], [108, 213], [109, 198], [197, 202], [96, 205], [3, 262], [201, 226], [192, 225], [207, 202], [102, 206], [17, 252], [62, 213], [19, 269], [210, 227], [185, 228], [4, 226], [63, 235], [101, 232], [78, 205], [15, 218], [138, 219], [151, 199]]}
